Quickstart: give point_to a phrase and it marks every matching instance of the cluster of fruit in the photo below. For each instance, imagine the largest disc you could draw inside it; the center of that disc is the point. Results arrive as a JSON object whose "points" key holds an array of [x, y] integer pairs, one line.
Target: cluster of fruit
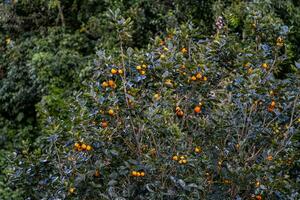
{"points": [[142, 69], [163, 56], [82, 147], [137, 174], [110, 83], [250, 69], [116, 71], [198, 76], [179, 112], [180, 159]]}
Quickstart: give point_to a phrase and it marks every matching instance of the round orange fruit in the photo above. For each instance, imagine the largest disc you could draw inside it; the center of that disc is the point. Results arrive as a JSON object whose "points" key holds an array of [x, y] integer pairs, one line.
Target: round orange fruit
{"points": [[197, 109]]}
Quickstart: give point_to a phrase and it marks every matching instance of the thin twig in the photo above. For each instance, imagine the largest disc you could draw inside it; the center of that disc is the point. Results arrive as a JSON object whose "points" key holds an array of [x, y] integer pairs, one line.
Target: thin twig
{"points": [[136, 135]]}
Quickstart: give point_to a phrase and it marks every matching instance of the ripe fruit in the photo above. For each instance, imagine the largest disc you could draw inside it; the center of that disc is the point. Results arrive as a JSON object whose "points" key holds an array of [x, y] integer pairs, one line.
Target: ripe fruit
{"points": [[88, 148], [175, 158], [156, 97], [137, 174], [193, 78], [198, 75], [183, 50], [184, 161], [247, 64], [71, 190], [205, 78], [104, 124], [104, 84], [162, 56], [111, 112], [279, 41], [120, 71], [144, 66], [180, 113], [198, 149], [273, 103], [257, 184], [114, 71], [168, 82], [142, 72], [138, 67], [111, 83], [258, 197], [271, 106], [265, 65], [197, 109], [250, 70], [270, 109], [269, 158], [134, 173], [83, 146], [77, 145]]}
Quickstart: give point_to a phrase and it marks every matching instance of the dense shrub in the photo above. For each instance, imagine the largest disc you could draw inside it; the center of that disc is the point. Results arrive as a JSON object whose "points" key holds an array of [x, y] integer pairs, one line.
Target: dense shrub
{"points": [[216, 82], [186, 118]]}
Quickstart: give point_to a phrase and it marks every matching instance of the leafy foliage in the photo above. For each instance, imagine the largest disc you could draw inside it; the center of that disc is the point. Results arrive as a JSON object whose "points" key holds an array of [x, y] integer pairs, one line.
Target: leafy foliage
{"points": [[182, 100]]}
